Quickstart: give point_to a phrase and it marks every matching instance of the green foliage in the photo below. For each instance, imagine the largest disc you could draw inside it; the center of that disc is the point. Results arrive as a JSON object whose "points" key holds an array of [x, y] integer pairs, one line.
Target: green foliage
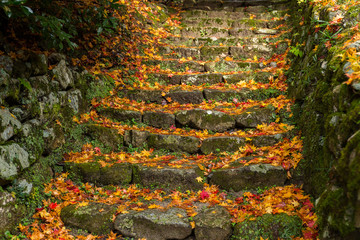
{"points": [[296, 50], [15, 8], [100, 88], [58, 24]]}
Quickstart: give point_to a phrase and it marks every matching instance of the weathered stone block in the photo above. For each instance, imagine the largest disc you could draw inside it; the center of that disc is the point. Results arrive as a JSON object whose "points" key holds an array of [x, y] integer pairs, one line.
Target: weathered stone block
{"points": [[221, 144], [174, 143], [159, 119]]}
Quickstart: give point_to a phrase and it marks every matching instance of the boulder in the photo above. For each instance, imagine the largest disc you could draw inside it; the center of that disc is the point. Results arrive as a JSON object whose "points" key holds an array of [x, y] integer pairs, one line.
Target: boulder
{"points": [[10, 212], [168, 178], [205, 119], [213, 223], [221, 144], [63, 75], [159, 119], [40, 85], [253, 117], [269, 226], [13, 159], [174, 143], [249, 177], [154, 224], [6, 63], [9, 125], [268, 140], [95, 217]]}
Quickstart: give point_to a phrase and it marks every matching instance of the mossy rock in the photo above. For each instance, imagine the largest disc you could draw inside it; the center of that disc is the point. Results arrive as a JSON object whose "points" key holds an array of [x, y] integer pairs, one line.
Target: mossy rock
{"points": [[221, 144], [174, 143], [110, 138], [205, 119], [117, 174], [159, 119], [95, 217], [269, 226], [167, 178], [249, 177]]}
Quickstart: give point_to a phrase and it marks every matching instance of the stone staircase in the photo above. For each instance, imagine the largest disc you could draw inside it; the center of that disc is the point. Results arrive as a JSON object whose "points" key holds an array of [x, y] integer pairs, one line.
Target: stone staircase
{"points": [[209, 124]]}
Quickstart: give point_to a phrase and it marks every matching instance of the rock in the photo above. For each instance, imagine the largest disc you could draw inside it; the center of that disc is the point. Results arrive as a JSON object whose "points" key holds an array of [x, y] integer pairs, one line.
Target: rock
{"points": [[205, 119], [75, 101], [10, 212], [213, 223], [142, 95], [221, 144], [63, 75], [117, 174], [39, 64], [253, 116], [356, 85], [40, 85], [13, 159], [185, 97], [269, 226], [266, 31], [95, 217], [227, 96], [168, 178], [174, 143], [188, 52], [9, 125], [154, 224], [199, 79], [107, 136], [55, 58], [53, 138], [249, 177], [250, 51], [208, 53], [121, 115], [7, 64], [25, 186], [159, 119], [135, 138]]}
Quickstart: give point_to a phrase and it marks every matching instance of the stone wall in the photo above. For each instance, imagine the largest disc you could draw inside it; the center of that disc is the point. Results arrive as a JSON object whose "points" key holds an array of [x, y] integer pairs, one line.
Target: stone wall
{"points": [[328, 114], [39, 95]]}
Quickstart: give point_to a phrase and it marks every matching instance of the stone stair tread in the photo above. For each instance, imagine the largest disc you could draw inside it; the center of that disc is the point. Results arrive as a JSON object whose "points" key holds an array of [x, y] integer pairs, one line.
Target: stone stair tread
{"points": [[238, 13], [208, 78], [213, 41]]}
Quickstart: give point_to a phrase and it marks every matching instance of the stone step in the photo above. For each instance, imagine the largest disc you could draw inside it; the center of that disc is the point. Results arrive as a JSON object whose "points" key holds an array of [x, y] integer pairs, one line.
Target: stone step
{"points": [[213, 32], [215, 120], [236, 14], [228, 23], [226, 41], [222, 66], [197, 96], [157, 220], [192, 145], [213, 52], [208, 78]]}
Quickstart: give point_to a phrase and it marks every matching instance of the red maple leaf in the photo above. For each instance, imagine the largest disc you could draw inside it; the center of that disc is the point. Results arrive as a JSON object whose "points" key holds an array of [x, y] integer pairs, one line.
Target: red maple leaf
{"points": [[204, 194]]}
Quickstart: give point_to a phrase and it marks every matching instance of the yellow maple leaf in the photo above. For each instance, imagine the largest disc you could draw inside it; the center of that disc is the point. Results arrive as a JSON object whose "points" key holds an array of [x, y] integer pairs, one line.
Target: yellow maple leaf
{"points": [[192, 224], [199, 179]]}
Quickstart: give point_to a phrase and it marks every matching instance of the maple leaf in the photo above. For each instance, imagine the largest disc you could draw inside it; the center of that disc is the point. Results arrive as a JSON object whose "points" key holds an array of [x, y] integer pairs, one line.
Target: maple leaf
{"points": [[204, 195], [53, 205], [199, 179]]}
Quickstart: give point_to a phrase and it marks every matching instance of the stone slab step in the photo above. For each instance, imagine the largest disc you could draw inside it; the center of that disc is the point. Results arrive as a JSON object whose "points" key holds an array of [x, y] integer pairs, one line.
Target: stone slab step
{"points": [[213, 32], [209, 78], [226, 41], [229, 23], [175, 65], [190, 144], [191, 97], [246, 177], [213, 52], [235, 14]]}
